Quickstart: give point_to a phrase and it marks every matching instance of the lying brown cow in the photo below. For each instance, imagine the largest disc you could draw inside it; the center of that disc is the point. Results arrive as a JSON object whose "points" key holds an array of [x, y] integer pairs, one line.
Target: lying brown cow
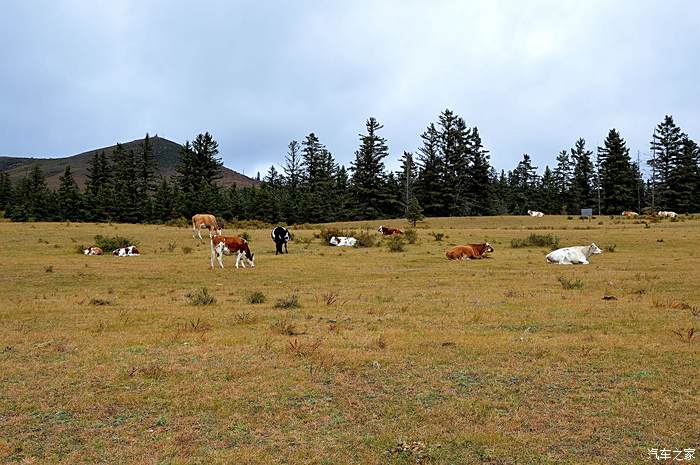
{"points": [[389, 231], [469, 251]]}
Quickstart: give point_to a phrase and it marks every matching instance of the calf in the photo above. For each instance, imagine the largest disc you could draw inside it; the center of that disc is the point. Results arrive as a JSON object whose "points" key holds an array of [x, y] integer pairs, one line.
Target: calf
{"points": [[535, 213], [130, 251], [281, 236], [630, 214], [573, 255], [93, 251], [227, 245], [667, 214], [389, 231], [469, 251], [203, 220]]}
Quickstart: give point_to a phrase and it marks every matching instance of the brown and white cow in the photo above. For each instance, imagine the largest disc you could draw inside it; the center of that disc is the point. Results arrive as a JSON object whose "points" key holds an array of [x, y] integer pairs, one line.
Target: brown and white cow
{"points": [[630, 214], [469, 251], [205, 220], [93, 251], [130, 251], [228, 245], [389, 231]]}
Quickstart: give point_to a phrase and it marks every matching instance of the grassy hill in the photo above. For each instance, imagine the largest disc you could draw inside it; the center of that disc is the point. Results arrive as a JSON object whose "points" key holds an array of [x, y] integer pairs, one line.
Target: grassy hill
{"points": [[166, 153]]}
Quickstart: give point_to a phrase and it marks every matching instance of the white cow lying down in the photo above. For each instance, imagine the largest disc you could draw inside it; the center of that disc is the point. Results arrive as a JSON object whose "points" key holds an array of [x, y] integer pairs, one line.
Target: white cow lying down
{"points": [[343, 241], [573, 255]]}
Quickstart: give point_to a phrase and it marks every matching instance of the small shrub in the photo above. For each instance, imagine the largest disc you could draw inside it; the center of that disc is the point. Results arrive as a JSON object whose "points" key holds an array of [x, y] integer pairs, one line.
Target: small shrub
{"points": [[365, 239], [99, 302], [303, 240], [411, 235], [396, 243], [285, 328], [569, 217], [109, 244], [256, 297], [187, 250], [48, 269], [567, 283], [438, 236], [536, 240], [172, 246], [200, 297], [244, 318], [292, 301], [245, 235], [610, 247]]}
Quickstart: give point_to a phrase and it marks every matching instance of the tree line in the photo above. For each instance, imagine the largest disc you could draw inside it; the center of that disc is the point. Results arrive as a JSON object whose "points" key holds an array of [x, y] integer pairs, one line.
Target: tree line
{"points": [[449, 175]]}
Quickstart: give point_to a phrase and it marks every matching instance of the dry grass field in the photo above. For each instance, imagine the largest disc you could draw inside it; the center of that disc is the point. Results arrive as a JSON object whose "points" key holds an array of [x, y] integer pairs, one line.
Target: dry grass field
{"points": [[107, 360]]}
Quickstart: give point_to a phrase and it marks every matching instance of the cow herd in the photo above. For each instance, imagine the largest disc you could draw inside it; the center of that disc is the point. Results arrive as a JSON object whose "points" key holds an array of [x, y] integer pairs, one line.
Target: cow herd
{"points": [[221, 245]]}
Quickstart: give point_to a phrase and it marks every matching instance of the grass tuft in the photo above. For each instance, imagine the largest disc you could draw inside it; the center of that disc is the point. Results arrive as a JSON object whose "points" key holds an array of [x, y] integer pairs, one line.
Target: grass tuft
{"points": [[257, 297], [110, 244], [200, 296], [536, 240], [567, 283], [291, 301], [396, 243]]}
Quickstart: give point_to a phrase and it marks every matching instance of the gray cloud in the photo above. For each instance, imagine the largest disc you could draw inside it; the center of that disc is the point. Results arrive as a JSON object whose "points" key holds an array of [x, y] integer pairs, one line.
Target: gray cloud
{"points": [[533, 77]]}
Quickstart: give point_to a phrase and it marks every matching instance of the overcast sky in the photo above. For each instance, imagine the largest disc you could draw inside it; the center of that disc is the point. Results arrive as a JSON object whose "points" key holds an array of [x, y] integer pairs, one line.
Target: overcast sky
{"points": [[533, 76]]}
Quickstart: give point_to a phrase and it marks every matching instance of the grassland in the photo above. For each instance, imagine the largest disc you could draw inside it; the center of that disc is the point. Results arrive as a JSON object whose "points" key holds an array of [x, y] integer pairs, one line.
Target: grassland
{"points": [[106, 359]]}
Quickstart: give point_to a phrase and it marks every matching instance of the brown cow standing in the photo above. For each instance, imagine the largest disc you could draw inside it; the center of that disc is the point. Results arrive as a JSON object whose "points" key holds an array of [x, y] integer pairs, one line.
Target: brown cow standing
{"points": [[205, 220], [469, 251], [389, 231], [227, 245]]}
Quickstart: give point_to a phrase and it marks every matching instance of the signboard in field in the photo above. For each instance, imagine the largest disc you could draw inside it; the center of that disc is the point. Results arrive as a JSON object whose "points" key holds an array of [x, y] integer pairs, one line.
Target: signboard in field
{"points": [[587, 212]]}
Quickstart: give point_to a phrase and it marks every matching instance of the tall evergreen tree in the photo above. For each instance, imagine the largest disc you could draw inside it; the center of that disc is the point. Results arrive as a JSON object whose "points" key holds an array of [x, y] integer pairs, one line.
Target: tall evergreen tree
{"points": [[582, 194], [430, 184], [146, 176], [666, 148], [319, 170], [549, 192], [126, 191], [99, 194], [32, 200], [68, 198], [479, 189], [453, 145], [684, 178], [406, 178], [618, 182], [198, 171], [368, 176], [164, 201], [523, 182], [563, 178], [293, 179], [5, 190]]}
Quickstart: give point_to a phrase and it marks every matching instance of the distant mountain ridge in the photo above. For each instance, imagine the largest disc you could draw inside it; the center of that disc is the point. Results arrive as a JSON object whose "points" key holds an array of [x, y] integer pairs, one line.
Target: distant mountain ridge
{"points": [[165, 152]]}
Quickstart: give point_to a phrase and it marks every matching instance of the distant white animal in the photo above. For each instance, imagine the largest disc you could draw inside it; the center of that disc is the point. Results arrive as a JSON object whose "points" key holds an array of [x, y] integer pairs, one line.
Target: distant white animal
{"points": [[668, 214], [343, 241], [130, 251], [535, 213], [630, 214], [573, 255]]}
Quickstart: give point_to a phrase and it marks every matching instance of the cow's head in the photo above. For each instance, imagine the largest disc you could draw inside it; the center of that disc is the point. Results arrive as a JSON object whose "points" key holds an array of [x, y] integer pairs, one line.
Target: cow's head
{"points": [[487, 248], [594, 249], [381, 229], [250, 258]]}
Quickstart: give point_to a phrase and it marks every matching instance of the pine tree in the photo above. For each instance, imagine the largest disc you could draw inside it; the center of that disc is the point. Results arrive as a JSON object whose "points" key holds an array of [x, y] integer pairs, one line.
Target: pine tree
{"points": [[270, 200], [98, 188], [563, 178], [414, 212], [68, 198], [146, 167], [5, 190], [684, 178], [453, 146], [666, 147], [126, 190], [164, 201], [523, 182], [479, 188], [197, 173], [549, 192], [582, 192], [32, 200], [406, 178], [318, 181], [368, 176], [293, 179], [618, 182], [430, 185]]}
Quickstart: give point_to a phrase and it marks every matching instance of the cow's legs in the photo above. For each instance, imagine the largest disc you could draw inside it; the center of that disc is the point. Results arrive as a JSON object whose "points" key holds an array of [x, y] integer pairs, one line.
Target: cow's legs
{"points": [[241, 256], [220, 257], [285, 248], [238, 259], [199, 233]]}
